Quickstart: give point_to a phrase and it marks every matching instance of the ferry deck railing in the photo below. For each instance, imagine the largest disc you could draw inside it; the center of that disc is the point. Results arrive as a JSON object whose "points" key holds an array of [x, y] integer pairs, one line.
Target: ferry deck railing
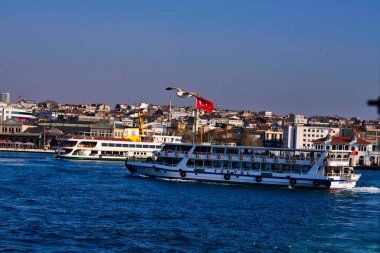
{"points": [[226, 155]]}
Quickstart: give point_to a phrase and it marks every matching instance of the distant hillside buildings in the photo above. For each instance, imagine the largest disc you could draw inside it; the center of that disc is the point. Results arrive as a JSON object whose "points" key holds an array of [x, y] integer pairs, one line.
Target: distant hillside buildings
{"points": [[42, 123]]}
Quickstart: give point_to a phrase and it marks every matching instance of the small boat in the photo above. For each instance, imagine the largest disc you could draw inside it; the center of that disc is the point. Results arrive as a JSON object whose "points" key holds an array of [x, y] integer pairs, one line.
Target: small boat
{"points": [[93, 148], [283, 167]]}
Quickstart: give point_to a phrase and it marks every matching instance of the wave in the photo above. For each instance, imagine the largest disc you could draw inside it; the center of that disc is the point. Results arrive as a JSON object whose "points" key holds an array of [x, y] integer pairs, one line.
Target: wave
{"points": [[369, 189]]}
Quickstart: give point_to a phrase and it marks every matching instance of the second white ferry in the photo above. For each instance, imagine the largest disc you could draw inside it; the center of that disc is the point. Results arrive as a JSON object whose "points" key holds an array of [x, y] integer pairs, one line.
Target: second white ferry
{"points": [[93, 148]]}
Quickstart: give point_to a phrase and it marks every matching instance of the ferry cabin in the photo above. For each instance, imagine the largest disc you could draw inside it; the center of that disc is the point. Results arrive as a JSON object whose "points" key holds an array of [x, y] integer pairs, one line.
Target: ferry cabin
{"points": [[241, 158]]}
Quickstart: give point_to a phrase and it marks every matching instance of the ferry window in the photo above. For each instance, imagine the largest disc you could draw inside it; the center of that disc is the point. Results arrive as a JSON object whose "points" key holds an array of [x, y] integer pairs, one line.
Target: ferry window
{"points": [[246, 165], [287, 168], [267, 166], [297, 169], [138, 146], [352, 148], [125, 145], [132, 145], [190, 162], [184, 148], [232, 151], [246, 151], [145, 146], [104, 145], [152, 146], [236, 165], [208, 163], [118, 145], [217, 164], [202, 149], [327, 147], [111, 144], [199, 163], [305, 169], [276, 167], [218, 150], [256, 166], [225, 164], [158, 146], [169, 147]]}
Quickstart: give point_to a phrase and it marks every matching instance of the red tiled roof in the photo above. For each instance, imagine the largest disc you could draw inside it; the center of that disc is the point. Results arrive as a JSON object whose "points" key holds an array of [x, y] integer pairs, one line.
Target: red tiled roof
{"points": [[342, 139]]}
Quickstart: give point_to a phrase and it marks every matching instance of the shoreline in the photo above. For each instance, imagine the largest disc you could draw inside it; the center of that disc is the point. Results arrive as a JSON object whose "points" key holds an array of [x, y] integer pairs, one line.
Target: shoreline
{"points": [[26, 150]]}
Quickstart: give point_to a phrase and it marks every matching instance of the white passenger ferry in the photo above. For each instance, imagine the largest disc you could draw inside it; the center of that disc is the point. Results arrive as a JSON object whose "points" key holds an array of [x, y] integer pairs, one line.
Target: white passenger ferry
{"points": [[92, 148], [296, 168]]}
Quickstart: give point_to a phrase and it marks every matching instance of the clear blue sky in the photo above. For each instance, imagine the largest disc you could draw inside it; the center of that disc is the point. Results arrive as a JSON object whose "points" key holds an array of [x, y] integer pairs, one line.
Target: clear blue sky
{"points": [[309, 57]]}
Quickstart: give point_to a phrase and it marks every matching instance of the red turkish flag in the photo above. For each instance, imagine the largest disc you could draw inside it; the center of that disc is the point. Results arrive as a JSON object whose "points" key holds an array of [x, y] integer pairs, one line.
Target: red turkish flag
{"points": [[204, 104]]}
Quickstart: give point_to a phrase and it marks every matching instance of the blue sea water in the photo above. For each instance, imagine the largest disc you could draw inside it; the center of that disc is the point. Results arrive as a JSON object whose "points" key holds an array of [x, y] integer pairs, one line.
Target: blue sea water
{"points": [[49, 205]]}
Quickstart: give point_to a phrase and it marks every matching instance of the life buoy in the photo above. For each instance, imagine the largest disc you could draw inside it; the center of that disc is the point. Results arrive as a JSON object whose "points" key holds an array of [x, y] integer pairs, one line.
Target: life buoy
{"points": [[230, 157], [227, 176], [187, 154], [219, 156], [253, 158], [176, 154], [293, 181], [182, 173], [208, 156], [316, 183], [241, 158], [258, 179], [197, 155]]}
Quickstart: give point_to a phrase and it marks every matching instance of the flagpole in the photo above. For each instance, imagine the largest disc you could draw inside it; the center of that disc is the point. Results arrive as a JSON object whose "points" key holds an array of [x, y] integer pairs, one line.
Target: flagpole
{"points": [[196, 123]]}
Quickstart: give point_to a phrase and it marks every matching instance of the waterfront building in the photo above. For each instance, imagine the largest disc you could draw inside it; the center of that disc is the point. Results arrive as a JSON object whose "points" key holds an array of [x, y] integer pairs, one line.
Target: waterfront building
{"points": [[297, 119], [102, 130], [28, 104], [373, 136], [15, 113], [235, 121], [360, 149], [266, 114], [155, 128], [302, 136], [271, 136], [5, 98]]}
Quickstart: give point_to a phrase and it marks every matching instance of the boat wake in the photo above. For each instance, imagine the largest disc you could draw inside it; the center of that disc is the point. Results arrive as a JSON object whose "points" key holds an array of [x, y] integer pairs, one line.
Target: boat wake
{"points": [[370, 189]]}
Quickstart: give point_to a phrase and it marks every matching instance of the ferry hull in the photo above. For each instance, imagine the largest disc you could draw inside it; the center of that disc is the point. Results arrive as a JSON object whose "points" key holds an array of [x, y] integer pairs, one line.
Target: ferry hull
{"points": [[89, 158], [238, 177]]}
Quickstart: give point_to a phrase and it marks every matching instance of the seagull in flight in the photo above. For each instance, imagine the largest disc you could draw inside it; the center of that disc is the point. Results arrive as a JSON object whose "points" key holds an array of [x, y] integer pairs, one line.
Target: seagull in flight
{"points": [[183, 94]]}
